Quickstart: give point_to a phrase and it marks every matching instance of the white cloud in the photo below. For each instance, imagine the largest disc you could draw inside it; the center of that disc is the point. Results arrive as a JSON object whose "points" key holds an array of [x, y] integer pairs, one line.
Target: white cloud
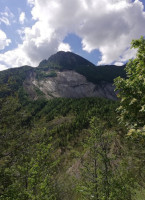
{"points": [[118, 63], [6, 17], [4, 41], [14, 58], [112, 28], [4, 20], [22, 18], [8, 13], [3, 67], [107, 25], [64, 47], [31, 2]]}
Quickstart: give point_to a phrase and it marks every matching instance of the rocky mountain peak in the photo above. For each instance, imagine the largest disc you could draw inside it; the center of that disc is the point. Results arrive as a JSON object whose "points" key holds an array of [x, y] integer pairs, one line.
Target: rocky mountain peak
{"points": [[64, 74]]}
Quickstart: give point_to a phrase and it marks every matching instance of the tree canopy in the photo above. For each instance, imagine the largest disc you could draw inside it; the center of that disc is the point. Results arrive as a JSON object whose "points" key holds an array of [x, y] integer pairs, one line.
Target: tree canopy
{"points": [[131, 90]]}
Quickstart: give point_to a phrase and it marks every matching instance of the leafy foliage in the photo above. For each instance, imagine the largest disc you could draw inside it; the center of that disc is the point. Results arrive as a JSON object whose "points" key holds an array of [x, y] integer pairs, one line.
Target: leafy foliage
{"points": [[131, 90]]}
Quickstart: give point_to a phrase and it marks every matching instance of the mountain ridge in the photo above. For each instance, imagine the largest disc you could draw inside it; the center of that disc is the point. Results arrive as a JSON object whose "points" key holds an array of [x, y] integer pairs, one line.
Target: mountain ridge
{"points": [[64, 74]]}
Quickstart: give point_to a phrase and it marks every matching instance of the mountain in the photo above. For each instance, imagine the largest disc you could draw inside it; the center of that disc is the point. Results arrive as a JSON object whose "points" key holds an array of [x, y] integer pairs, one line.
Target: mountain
{"points": [[64, 74], [66, 148]]}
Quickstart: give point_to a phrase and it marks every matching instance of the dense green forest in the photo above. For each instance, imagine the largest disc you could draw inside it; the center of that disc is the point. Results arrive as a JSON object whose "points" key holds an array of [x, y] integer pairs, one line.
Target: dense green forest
{"points": [[49, 140], [76, 149]]}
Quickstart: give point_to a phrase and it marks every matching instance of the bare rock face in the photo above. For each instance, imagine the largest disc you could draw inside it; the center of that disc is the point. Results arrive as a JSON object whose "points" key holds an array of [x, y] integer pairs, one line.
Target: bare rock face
{"points": [[69, 75], [69, 84]]}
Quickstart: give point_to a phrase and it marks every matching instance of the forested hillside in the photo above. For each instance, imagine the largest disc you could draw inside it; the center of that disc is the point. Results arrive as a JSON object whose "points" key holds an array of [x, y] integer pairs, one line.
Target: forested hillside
{"points": [[44, 144], [64, 74], [73, 149]]}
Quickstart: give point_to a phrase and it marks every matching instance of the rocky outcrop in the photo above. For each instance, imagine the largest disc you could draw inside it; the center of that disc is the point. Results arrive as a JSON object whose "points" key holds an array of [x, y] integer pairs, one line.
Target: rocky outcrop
{"points": [[69, 84]]}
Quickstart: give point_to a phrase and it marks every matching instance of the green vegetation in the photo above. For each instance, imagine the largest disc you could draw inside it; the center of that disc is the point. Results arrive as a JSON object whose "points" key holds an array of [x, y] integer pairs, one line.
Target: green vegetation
{"points": [[132, 107], [48, 65], [12, 80], [39, 93], [45, 144], [41, 75], [37, 142], [46, 69], [74, 149], [132, 90], [97, 74], [71, 61], [103, 169]]}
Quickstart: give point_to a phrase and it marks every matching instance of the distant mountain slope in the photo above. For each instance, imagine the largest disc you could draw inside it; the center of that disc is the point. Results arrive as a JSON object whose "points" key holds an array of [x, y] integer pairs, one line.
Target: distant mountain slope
{"points": [[71, 61], [11, 80], [64, 74]]}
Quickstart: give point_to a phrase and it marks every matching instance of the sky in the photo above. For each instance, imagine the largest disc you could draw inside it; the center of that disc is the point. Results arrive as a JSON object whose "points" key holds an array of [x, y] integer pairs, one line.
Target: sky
{"points": [[99, 30]]}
